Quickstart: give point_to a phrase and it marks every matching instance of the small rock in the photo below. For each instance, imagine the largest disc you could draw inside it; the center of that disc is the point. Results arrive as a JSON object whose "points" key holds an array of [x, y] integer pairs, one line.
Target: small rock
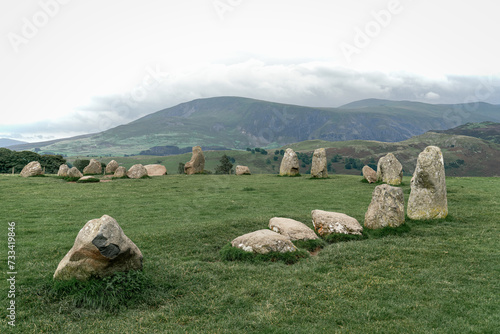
{"points": [[137, 171], [74, 172], [387, 207], [94, 167], [292, 229], [111, 167], [88, 177], [263, 242], [63, 170], [120, 172], [390, 170], [326, 222], [242, 170], [32, 169], [156, 170], [290, 163], [197, 162], [369, 174], [319, 164]]}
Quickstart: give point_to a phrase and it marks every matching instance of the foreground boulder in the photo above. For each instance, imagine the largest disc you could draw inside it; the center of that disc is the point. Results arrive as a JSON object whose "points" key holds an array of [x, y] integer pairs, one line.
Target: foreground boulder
{"points": [[263, 242], [242, 170], [137, 171], [428, 198], [326, 222], [111, 167], [74, 172], [156, 170], [100, 249], [292, 229], [319, 164], [369, 174], [120, 172], [32, 169], [390, 170], [94, 167], [197, 163], [63, 170], [387, 207], [290, 163]]}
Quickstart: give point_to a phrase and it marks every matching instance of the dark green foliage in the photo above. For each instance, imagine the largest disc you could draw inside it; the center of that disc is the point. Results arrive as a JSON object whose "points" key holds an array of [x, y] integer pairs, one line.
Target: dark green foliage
{"points": [[180, 168], [12, 159], [275, 158], [336, 158], [81, 163], [225, 165], [277, 152], [310, 245], [229, 253], [69, 178], [282, 152], [340, 237]]}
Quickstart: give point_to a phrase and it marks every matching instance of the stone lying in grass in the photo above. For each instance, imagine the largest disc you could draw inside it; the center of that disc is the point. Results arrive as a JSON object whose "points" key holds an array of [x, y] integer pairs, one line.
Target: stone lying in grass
{"points": [[230, 253], [326, 222], [264, 241], [32, 169], [73, 172], [120, 172], [156, 170], [87, 179], [292, 229], [369, 174], [137, 171]]}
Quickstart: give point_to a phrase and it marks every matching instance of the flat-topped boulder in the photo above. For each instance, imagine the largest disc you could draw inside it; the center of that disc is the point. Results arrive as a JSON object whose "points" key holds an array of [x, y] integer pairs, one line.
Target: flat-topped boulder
{"points": [[242, 170], [32, 169], [120, 172], [327, 222], [390, 170], [63, 170], [319, 164], [74, 172], [263, 242], [290, 163], [369, 174], [197, 163], [94, 167], [137, 171], [156, 169], [111, 167], [387, 207], [292, 229]]}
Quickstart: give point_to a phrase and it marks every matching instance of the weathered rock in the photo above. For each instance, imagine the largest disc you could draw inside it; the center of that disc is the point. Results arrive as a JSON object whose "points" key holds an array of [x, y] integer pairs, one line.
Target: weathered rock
{"points": [[428, 187], [88, 177], [120, 172], [264, 241], [32, 169], [319, 164], [100, 249], [387, 207], [369, 174], [389, 170], [111, 167], [137, 171], [290, 163], [292, 229], [63, 170], [94, 167], [197, 162], [74, 172], [242, 170], [156, 170], [326, 222]]}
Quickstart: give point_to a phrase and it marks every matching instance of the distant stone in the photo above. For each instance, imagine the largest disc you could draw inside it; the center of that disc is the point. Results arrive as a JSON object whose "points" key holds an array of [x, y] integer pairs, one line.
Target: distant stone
{"points": [[263, 242], [32, 169], [137, 171], [63, 170], [292, 229], [387, 207], [100, 249], [156, 170], [326, 222], [88, 177], [428, 195], [120, 172], [319, 164], [111, 167], [290, 163], [390, 170], [197, 162], [74, 172], [94, 167], [369, 174], [242, 170]]}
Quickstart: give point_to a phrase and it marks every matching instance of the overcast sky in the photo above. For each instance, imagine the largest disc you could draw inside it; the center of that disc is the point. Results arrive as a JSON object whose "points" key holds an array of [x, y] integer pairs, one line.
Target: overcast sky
{"points": [[70, 67]]}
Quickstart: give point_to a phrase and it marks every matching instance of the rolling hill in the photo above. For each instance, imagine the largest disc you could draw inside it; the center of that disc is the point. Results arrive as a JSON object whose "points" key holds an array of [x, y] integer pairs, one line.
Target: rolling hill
{"points": [[489, 131], [6, 142]]}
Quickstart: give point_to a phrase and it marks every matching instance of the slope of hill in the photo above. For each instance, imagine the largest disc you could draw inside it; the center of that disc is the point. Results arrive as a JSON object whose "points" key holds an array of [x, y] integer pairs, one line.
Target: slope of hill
{"points": [[489, 131], [6, 142]]}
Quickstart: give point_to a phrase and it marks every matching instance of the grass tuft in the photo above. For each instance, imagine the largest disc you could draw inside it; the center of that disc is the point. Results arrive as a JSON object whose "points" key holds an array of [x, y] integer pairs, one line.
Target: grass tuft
{"points": [[341, 237], [248, 189], [310, 245], [386, 231]]}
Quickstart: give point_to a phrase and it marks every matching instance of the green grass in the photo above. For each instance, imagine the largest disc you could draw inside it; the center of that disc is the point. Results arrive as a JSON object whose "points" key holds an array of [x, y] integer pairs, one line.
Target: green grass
{"points": [[428, 277]]}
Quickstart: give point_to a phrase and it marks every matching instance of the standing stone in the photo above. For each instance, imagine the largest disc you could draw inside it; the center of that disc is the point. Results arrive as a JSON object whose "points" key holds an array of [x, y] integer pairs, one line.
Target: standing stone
{"points": [[100, 249], [94, 167], [74, 172], [197, 162], [156, 170], [428, 187], [137, 171], [32, 169], [387, 207], [63, 170], [389, 170], [319, 164], [290, 163], [263, 242], [326, 222], [120, 172], [111, 167], [369, 174], [242, 170], [291, 228]]}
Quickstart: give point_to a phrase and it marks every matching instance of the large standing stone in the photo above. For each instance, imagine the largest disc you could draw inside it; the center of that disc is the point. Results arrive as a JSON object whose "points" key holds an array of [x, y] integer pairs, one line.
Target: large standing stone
{"points": [[264, 241], [156, 170], [242, 170], [32, 169], [137, 171], [111, 167], [63, 170], [390, 170], [319, 164], [100, 249], [326, 222], [290, 163], [428, 187], [120, 172], [369, 174], [197, 162], [292, 229], [387, 207], [94, 167], [74, 172]]}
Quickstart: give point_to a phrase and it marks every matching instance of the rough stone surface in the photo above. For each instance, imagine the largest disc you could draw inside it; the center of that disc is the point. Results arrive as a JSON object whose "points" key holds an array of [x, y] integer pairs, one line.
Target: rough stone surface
{"points": [[290, 163], [111, 167], [74, 172], [319, 164], [326, 222], [389, 170], [197, 162], [120, 172], [428, 198], [387, 207], [32, 169], [369, 174], [137, 171], [63, 170], [264, 241], [293, 229], [156, 170], [242, 170], [100, 249], [94, 167]]}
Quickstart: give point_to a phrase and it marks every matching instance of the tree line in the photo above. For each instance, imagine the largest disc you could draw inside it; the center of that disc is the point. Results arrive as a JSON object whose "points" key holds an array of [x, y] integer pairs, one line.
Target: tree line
{"points": [[17, 160]]}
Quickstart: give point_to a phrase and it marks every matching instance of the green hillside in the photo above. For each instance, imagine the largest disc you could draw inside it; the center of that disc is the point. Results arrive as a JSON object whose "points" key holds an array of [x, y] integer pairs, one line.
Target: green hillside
{"points": [[489, 131]]}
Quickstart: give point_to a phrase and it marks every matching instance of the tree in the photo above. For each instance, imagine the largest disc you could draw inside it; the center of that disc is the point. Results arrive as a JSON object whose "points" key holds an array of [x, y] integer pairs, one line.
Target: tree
{"points": [[225, 165], [80, 164], [180, 168]]}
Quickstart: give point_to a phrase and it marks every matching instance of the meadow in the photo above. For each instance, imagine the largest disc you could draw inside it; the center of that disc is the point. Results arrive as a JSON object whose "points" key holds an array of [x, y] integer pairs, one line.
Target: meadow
{"points": [[434, 277]]}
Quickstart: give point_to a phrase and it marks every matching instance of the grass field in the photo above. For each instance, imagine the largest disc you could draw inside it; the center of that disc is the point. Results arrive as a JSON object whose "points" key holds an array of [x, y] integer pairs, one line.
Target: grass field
{"points": [[439, 277]]}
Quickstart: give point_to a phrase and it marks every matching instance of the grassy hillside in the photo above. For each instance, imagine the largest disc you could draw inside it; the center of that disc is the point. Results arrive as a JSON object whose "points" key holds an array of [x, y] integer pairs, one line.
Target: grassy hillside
{"points": [[437, 276], [489, 131]]}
